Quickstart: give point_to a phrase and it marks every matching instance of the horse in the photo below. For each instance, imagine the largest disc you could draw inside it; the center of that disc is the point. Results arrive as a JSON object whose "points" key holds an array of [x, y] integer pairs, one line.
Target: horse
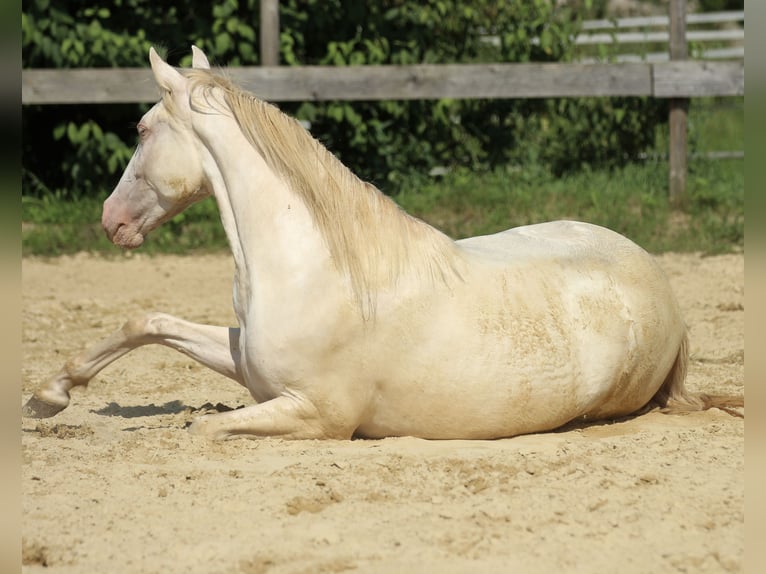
{"points": [[357, 319]]}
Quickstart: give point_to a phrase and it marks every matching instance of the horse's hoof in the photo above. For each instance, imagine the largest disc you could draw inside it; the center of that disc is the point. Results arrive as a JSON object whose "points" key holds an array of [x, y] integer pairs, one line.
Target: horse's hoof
{"points": [[205, 427], [199, 426], [39, 409]]}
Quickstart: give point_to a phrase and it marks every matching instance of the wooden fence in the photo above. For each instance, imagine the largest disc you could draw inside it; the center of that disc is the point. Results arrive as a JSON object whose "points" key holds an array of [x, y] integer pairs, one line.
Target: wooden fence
{"points": [[683, 79], [653, 33], [678, 80], [727, 41]]}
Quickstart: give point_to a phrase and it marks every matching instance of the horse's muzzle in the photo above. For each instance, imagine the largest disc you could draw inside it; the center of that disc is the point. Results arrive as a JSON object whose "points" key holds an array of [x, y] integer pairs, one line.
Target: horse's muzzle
{"points": [[119, 230]]}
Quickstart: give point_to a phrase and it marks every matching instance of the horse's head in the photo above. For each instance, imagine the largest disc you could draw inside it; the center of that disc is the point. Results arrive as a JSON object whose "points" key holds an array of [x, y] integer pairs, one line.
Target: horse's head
{"points": [[165, 174]]}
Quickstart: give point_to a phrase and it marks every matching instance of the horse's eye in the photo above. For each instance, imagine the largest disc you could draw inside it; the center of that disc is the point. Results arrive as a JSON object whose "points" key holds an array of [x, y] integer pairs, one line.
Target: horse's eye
{"points": [[143, 131]]}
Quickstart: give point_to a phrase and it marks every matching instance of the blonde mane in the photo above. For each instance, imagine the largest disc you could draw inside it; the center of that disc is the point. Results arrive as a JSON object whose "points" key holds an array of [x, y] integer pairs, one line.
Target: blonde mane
{"points": [[369, 236]]}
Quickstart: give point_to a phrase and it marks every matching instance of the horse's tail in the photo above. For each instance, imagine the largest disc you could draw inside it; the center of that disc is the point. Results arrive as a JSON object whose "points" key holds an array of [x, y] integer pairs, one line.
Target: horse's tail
{"points": [[673, 397]]}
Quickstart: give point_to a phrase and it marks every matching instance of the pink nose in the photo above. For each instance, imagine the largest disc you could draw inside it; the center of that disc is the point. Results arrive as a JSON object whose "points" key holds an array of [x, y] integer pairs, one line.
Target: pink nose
{"points": [[106, 218], [121, 223], [112, 218]]}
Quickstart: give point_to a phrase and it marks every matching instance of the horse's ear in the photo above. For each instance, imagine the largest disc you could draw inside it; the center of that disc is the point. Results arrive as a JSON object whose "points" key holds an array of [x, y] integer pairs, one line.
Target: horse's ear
{"points": [[199, 59], [166, 76]]}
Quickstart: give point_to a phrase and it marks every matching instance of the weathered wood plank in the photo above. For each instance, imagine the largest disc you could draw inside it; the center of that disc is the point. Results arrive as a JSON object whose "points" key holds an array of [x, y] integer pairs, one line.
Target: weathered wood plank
{"points": [[695, 79], [658, 37], [445, 81], [647, 21], [88, 86], [463, 81]]}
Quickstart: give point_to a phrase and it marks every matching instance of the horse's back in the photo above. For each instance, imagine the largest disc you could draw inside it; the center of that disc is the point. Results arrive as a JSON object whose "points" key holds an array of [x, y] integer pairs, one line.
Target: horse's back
{"points": [[571, 257], [552, 240]]}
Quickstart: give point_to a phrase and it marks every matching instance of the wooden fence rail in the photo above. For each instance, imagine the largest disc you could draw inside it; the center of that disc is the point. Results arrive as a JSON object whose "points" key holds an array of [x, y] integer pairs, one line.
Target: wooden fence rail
{"points": [[664, 37], [725, 17], [726, 42], [681, 79]]}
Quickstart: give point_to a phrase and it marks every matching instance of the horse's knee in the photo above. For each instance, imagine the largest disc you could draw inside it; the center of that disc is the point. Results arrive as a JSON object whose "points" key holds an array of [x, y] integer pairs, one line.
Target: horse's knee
{"points": [[146, 325]]}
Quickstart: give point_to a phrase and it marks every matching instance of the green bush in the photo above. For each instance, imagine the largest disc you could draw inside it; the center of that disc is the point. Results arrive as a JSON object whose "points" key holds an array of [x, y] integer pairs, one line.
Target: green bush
{"points": [[719, 5], [386, 141], [86, 147]]}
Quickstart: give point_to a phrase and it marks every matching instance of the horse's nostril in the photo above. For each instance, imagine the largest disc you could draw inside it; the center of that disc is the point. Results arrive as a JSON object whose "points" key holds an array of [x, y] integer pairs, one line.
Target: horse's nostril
{"points": [[110, 230]]}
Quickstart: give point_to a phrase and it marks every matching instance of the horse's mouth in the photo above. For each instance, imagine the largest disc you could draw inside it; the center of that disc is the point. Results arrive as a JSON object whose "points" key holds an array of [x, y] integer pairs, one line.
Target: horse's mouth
{"points": [[126, 237]]}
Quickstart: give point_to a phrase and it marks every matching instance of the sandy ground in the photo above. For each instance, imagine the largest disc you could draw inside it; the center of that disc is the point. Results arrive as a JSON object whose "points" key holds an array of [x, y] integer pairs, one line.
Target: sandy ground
{"points": [[115, 483]]}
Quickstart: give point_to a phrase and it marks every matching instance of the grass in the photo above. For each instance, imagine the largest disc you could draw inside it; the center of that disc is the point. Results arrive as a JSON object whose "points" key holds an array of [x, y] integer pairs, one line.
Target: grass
{"points": [[51, 227], [631, 200]]}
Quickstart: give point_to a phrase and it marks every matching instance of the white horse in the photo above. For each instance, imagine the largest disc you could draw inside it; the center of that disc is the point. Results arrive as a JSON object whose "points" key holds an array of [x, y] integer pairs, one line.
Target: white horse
{"points": [[357, 319]]}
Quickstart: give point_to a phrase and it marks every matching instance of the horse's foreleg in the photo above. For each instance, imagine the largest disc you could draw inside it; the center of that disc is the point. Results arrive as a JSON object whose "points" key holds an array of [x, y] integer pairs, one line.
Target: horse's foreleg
{"points": [[214, 347], [287, 416]]}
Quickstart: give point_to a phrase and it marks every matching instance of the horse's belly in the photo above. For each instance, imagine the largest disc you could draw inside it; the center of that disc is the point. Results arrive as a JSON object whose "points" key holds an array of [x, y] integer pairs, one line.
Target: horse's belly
{"points": [[469, 410], [475, 393], [478, 387]]}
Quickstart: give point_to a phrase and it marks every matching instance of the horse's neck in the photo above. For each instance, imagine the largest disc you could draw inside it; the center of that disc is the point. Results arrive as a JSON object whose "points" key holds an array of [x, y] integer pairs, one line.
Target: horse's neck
{"points": [[271, 233], [368, 245]]}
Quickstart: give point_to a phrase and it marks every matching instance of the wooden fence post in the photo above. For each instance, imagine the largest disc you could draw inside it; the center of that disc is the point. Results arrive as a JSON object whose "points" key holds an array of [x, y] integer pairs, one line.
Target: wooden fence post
{"points": [[269, 32], [678, 109]]}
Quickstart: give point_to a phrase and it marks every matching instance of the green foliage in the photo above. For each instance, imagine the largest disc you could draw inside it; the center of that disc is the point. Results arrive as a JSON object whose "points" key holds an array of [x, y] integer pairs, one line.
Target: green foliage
{"points": [[387, 141], [719, 5], [69, 151], [57, 34], [580, 133], [56, 226], [86, 147], [104, 153], [631, 200]]}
